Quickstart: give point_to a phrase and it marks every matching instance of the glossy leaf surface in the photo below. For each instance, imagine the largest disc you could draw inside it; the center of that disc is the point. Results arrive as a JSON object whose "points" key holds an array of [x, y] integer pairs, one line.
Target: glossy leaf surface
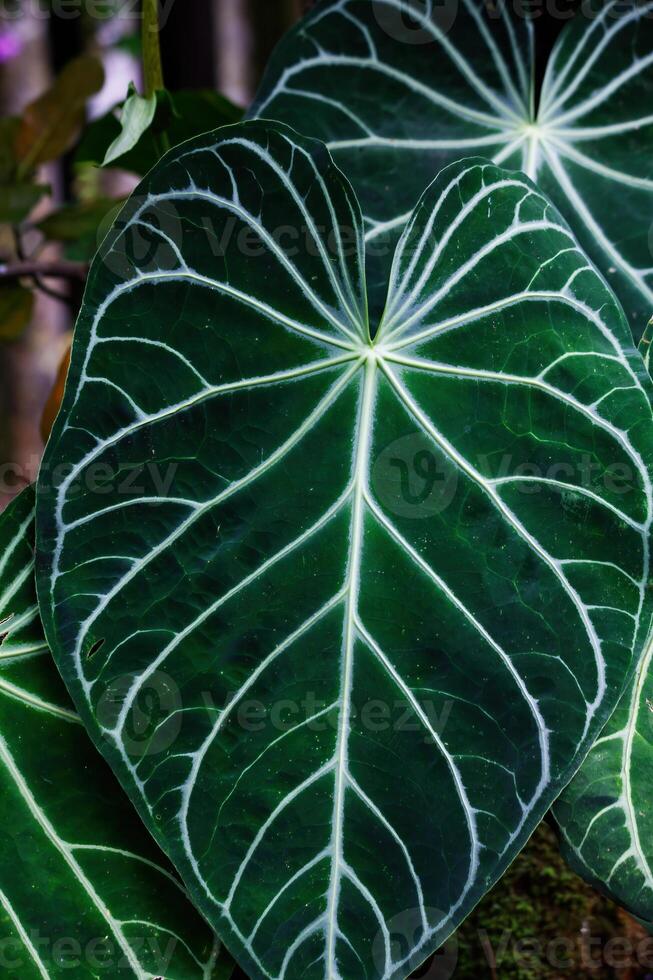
{"points": [[83, 889], [399, 88], [381, 604], [605, 814]]}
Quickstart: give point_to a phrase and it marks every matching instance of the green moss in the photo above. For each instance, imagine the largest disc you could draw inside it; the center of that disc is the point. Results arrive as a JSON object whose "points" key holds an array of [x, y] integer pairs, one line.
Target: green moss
{"points": [[541, 922]]}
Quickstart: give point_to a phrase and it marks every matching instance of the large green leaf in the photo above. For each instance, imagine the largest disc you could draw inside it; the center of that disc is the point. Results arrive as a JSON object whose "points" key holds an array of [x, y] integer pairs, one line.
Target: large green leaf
{"points": [[383, 588], [83, 889], [605, 815], [398, 88]]}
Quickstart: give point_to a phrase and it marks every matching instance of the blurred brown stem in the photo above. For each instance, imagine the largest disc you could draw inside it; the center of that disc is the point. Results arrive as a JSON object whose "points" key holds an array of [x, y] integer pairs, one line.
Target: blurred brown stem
{"points": [[76, 271]]}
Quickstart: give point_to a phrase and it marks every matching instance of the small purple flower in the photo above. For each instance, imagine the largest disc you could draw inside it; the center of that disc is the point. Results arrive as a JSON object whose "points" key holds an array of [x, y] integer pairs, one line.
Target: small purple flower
{"points": [[10, 45]]}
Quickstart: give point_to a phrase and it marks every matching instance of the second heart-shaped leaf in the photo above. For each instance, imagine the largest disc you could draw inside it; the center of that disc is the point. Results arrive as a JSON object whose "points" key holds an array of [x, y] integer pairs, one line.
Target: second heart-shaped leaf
{"points": [[344, 606], [400, 88]]}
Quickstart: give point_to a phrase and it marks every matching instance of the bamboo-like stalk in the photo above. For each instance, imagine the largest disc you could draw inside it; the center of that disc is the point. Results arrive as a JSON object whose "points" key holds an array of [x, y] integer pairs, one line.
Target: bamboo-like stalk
{"points": [[152, 69]]}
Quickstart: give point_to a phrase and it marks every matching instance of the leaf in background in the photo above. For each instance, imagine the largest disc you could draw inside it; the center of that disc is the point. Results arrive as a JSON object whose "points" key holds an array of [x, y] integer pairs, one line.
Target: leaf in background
{"points": [[399, 88], [81, 227], [180, 116], [16, 308], [135, 118], [79, 879], [8, 129], [50, 125], [250, 501], [17, 200], [605, 814]]}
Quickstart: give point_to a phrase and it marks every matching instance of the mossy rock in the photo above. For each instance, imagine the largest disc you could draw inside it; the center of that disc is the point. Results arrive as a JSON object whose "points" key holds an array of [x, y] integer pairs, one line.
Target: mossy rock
{"points": [[542, 922]]}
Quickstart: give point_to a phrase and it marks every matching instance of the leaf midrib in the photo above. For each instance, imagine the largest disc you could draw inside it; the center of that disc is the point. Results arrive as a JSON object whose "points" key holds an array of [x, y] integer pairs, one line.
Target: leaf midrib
{"points": [[360, 469]]}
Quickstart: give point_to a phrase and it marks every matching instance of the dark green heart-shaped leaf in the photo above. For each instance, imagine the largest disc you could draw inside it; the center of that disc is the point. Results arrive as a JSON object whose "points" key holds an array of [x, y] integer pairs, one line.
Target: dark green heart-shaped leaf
{"points": [[380, 587], [398, 88], [83, 890], [605, 814]]}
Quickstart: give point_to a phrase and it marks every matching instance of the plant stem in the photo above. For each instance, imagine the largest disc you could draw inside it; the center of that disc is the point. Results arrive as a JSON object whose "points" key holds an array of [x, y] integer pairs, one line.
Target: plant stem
{"points": [[152, 70], [76, 271]]}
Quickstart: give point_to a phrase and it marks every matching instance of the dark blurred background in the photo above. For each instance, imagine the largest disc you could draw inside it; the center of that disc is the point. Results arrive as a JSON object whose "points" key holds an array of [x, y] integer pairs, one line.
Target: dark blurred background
{"points": [[206, 44]]}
